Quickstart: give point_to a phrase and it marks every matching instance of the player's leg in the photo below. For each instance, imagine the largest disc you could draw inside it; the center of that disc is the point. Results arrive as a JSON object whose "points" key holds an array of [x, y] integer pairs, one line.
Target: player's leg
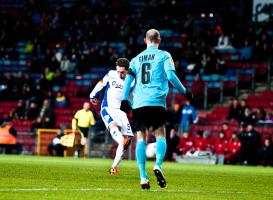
{"points": [[139, 124], [161, 147], [123, 144], [158, 123], [83, 140], [141, 158], [121, 121]]}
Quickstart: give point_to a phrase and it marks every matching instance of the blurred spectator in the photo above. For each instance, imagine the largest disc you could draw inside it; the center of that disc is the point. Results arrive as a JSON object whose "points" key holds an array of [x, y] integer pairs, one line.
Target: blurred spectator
{"points": [[221, 148], [198, 89], [53, 64], [66, 65], [214, 64], [49, 75], [20, 110], [59, 78], [38, 95], [242, 106], [18, 85], [173, 117], [246, 51], [32, 111], [189, 116], [82, 64], [29, 47], [60, 100], [185, 144], [3, 88], [208, 142], [234, 150], [234, 110], [172, 126], [260, 114], [250, 140], [248, 117], [19, 80], [28, 80], [26, 93], [44, 84], [10, 89], [269, 116], [50, 96], [46, 111], [172, 144], [266, 153], [256, 51], [226, 130], [198, 141], [266, 53], [8, 141]]}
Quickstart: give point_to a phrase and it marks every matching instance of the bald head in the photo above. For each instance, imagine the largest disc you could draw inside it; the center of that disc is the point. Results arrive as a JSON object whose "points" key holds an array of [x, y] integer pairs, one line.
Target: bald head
{"points": [[152, 37]]}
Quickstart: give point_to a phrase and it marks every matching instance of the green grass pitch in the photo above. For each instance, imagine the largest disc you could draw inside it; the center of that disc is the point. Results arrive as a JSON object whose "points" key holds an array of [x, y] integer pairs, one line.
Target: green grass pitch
{"points": [[27, 177]]}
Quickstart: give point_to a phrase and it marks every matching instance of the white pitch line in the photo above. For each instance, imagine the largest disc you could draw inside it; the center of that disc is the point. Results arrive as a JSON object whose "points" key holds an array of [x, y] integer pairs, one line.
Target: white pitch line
{"points": [[126, 190]]}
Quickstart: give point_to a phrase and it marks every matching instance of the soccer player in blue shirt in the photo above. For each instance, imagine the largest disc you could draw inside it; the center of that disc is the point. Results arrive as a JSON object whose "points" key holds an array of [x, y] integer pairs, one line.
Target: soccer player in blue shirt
{"points": [[151, 69]]}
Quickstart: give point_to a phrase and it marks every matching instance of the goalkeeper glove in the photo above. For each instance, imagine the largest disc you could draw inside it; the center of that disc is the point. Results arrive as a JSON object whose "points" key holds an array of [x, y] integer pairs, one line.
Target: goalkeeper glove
{"points": [[125, 106]]}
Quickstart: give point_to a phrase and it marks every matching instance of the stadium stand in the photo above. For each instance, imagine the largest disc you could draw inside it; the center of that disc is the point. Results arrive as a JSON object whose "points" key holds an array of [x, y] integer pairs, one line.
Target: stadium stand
{"points": [[44, 32]]}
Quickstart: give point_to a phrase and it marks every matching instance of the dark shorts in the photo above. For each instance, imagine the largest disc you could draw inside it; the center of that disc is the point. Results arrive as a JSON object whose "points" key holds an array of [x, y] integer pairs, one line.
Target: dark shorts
{"points": [[149, 117], [84, 131]]}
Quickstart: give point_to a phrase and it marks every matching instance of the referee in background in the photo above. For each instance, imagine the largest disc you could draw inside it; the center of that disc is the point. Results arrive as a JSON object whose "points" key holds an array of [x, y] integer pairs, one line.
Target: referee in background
{"points": [[82, 121]]}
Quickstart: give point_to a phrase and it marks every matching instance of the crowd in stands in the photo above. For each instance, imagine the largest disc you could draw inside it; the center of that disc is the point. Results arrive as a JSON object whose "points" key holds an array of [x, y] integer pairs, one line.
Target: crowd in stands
{"points": [[231, 145], [58, 39], [244, 147], [35, 99], [245, 114]]}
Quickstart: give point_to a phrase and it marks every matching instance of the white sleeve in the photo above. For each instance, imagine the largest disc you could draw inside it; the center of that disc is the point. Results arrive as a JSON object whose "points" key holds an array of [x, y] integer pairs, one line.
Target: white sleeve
{"points": [[99, 86]]}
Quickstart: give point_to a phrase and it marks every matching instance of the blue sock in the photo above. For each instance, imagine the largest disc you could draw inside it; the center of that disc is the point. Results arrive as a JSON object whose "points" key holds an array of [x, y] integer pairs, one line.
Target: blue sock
{"points": [[141, 158], [161, 147]]}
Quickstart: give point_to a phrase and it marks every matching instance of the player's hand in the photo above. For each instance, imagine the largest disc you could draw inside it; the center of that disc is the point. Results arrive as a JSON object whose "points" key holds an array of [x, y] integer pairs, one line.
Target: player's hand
{"points": [[189, 95], [94, 101], [125, 106]]}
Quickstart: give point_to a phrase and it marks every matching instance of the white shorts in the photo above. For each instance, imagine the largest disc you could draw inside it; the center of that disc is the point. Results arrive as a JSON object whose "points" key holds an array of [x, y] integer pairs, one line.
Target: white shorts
{"points": [[115, 115]]}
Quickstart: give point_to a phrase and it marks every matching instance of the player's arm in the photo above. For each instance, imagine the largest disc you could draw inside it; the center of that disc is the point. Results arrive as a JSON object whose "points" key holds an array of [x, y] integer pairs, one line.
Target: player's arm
{"points": [[99, 86], [75, 122], [172, 77], [175, 81], [127, 85], [125, 105]]}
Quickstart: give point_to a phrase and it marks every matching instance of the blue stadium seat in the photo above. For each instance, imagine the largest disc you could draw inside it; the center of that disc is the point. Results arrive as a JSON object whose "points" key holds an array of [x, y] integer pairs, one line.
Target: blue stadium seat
{"points": [[189, 77]]}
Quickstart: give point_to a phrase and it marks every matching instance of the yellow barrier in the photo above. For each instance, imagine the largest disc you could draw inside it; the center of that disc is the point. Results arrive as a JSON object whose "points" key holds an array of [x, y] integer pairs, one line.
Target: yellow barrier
{"points": [[45, 137]]}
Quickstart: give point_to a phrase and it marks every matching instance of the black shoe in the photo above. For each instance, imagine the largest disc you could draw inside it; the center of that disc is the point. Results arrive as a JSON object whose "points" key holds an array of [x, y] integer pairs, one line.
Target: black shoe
{"points": [[145, 185], [161, 181]]}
